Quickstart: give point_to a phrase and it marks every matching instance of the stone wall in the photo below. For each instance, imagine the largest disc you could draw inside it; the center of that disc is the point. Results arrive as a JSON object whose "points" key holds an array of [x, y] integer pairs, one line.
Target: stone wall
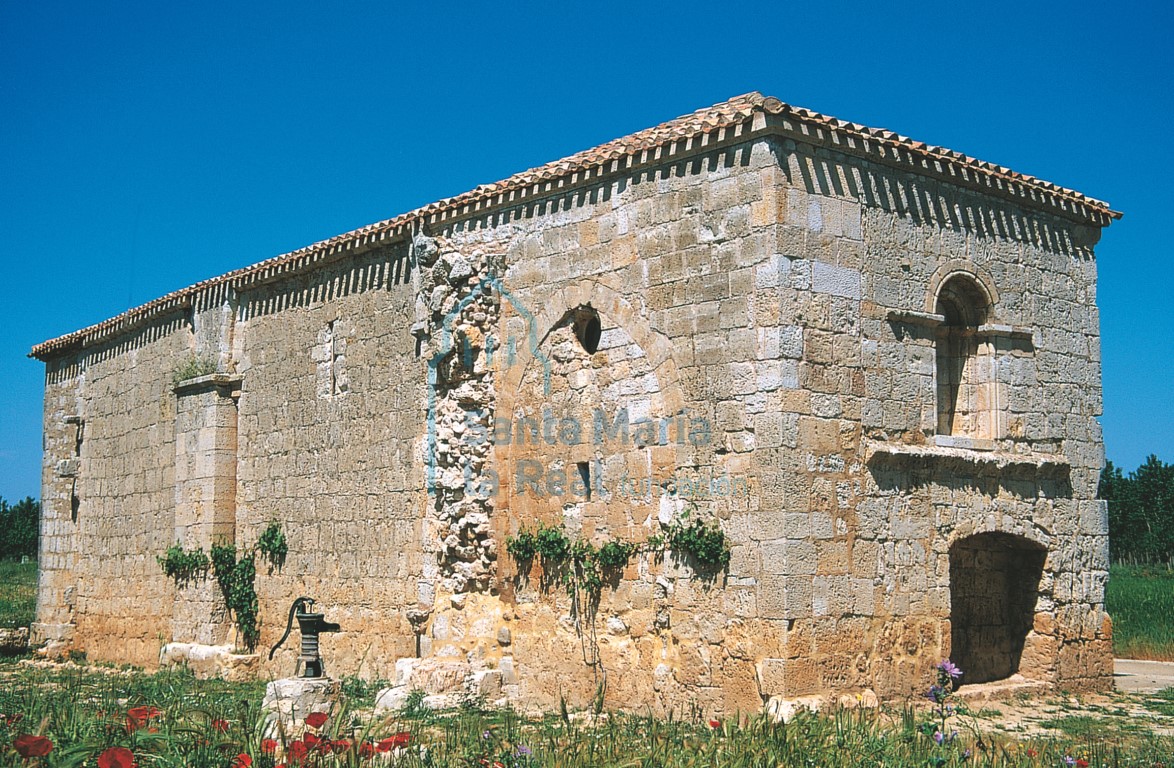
{"points": [[749, 335]]}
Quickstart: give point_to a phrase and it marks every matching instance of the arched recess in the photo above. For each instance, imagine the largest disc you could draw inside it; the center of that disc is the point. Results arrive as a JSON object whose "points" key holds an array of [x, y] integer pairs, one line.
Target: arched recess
{"points": [[967, 389], [994, 589], [588, 423], [609, 304], [959, 267]]}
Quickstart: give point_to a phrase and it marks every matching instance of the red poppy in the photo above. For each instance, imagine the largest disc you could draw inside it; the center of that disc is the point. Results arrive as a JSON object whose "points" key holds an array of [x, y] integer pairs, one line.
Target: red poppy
{"points": [[297, 751], [340, 746], [27, 745], [316, 719], [366, 749], [137, 717], [400, 739], [116, 757], [269, 746], [715, 723], [143, 713], [220, 725], [242, 761], [1082, 763], [311, 739]]}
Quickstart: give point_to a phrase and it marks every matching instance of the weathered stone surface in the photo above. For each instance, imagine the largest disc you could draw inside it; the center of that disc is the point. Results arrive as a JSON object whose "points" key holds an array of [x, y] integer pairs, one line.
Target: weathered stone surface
{"points": [[881, 386], [292, 699], [208, 661], [14, 641]]}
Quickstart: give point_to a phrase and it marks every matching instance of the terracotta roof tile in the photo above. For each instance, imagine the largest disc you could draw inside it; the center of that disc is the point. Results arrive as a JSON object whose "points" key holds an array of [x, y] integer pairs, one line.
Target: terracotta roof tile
{"points": [[732, 120]]}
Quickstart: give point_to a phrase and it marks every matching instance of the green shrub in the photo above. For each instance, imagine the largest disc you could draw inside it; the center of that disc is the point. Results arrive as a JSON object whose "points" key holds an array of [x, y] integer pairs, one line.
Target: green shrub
{"points": [[192, 368], [704, 541]]}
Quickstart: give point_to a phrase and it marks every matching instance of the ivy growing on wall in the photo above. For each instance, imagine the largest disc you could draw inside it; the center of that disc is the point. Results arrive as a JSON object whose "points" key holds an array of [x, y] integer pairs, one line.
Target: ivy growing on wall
{"points": [[183, 565], [236, 576], [579, 565]]}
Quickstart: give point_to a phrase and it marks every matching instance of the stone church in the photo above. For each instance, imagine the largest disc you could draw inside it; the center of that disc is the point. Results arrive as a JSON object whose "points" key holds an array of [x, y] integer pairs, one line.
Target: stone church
{"points": [[872, 363]]}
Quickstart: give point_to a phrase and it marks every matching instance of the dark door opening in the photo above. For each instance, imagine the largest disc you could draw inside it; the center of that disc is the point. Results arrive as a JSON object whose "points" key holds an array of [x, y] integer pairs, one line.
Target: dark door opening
{"points": [[994, 584]]}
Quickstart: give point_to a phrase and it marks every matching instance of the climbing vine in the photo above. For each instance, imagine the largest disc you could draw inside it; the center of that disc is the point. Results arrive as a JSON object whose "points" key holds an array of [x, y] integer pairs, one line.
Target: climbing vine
{"points": [[237, 580], [235, 576], [183, 565], [579, 565]]}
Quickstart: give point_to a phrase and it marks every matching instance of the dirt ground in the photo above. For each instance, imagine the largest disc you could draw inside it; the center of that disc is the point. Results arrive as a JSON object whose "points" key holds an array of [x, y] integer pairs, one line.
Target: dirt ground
{"points": [[1142, 702]]}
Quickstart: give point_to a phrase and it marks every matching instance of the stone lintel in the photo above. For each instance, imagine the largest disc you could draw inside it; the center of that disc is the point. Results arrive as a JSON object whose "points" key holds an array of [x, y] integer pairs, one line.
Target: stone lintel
{"points": [[877, 451], [208, 382]]}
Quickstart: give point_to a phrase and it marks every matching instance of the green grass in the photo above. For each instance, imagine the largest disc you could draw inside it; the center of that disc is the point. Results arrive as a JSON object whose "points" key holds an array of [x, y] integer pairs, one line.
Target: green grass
{"points": [[206, 724], [1140, 599], [18, 593]]}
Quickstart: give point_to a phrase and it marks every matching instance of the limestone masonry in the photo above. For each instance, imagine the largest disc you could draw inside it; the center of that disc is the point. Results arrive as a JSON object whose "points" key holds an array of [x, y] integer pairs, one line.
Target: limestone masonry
{"points": [[874, 363]]}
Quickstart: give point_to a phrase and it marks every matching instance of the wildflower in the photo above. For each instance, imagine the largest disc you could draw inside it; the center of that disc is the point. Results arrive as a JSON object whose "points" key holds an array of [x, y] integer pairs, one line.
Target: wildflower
{"points": [[939, 737], [950, 669], [316, 719], [715, 723], [339, 746], [297, 751], [936, 694], [143, 714], [400, 739], [366, 749], [523, 751], [269, 746], [1069, 760], [28, 745], [1081, 763], [242, 761], [1032, 753], [220, 725], [486, 734], [117, 757]]}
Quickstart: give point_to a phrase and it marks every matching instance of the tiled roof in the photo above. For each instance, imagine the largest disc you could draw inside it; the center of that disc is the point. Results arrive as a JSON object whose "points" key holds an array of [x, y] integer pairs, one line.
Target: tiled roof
{"points": [[735, 120]]}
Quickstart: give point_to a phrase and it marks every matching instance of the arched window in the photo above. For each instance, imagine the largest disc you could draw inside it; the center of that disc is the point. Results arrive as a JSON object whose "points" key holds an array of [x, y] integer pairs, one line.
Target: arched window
{"points": [[966, 391]]}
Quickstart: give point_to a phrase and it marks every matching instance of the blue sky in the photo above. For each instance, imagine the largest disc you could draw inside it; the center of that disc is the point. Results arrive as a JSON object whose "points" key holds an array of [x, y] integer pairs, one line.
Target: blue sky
{"points": [[144, 147]]}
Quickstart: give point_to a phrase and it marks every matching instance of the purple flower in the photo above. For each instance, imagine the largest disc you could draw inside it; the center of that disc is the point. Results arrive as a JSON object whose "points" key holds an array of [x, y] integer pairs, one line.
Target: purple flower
{"points": [[524, 751], [936, 694], [939, 737], [948, 667], [1069, 760]]}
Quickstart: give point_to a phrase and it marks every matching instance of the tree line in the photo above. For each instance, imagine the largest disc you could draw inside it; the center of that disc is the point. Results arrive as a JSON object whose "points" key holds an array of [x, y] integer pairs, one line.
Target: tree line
{"points": [[19, 528], [1141, 512]]}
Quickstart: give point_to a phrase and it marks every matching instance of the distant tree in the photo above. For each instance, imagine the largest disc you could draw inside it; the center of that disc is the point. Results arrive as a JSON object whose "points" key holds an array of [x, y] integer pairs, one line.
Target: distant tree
{"points": [[1141, 511], [19, 527]]}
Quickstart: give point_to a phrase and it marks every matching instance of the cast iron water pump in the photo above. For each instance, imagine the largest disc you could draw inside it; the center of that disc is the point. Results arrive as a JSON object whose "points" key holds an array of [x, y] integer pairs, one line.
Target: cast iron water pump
{"points": [[310, 625]]}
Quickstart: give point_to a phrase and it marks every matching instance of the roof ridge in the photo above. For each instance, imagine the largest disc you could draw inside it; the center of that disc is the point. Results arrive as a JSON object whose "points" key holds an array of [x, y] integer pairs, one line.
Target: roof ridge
{"points": [[579, 167]]}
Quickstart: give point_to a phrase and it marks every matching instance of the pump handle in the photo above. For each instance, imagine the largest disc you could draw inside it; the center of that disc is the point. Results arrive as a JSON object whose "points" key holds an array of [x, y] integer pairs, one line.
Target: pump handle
{"points": [[293, 609]]}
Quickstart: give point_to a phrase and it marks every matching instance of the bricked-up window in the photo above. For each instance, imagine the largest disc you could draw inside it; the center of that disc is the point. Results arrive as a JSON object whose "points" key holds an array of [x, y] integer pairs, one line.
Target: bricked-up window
{"points": [[965, 381]]}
